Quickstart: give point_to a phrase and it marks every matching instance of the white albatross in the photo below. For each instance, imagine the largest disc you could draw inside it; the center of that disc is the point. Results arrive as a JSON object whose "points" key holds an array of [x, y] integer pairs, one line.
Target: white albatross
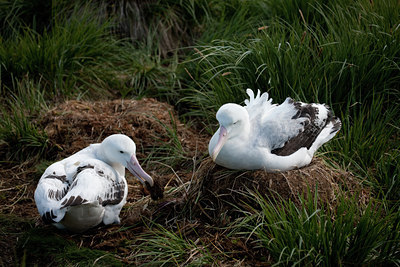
{"points": [[262, 135], [89, 187]]}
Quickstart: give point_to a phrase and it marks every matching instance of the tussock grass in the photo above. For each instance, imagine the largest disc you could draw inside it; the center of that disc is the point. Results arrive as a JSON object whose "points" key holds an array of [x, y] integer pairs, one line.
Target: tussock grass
{"points": [[78, 55], [161, 247], [60, 55], [147, 74], [315, 234], [20, 137]]}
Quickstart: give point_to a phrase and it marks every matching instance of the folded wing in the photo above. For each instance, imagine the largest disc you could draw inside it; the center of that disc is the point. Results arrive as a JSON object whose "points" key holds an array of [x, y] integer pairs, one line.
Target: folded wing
{"points": [[286, 128], [92, 182]]}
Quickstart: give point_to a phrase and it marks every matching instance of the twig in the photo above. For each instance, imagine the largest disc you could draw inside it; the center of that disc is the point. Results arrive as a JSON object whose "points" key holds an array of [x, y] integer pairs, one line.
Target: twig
{"points": [[11, 188]]}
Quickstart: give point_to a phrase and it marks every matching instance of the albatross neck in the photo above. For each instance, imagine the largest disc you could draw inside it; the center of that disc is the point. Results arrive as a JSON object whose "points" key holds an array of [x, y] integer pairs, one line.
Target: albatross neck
{"points": [[102, 155]]}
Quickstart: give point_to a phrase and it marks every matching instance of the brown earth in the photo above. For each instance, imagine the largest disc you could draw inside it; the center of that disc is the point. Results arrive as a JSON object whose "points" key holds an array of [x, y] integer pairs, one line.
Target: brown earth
{"points": [[195, 183]]}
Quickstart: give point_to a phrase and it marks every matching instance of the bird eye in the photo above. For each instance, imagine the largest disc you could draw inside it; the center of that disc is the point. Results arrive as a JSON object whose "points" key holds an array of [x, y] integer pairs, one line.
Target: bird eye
{"points": [[122, 152], [235, 122]]}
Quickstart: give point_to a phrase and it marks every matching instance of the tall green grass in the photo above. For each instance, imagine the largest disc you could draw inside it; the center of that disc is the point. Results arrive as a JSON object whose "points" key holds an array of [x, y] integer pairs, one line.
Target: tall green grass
{"points": [[62, 56], [313, 234], [345, 63], [163, 247], [21, 138], [146, 73]]}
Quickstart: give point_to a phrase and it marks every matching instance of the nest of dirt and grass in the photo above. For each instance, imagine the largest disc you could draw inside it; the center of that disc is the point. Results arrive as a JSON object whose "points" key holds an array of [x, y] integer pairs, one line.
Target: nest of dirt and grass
{"points": [[218, 196], [218, 193], [197, 191]]}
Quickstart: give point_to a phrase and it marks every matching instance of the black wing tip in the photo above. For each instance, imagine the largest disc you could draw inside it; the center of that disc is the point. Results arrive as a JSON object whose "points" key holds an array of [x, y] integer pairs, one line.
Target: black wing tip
{"points": [[337, 125], [311, 129], [308, 111], [48, 217], [73, 201]]}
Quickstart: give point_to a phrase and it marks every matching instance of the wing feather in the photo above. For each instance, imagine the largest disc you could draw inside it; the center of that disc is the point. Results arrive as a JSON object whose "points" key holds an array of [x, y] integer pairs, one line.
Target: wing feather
{"points": [[258, 106], [291, 126], [52, 187], [95, 181]]}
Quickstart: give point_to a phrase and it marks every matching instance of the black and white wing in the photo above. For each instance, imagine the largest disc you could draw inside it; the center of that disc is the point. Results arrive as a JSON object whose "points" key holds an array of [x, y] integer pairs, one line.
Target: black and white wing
{"points": [[52, 187], [315, 120], [292, 125], [71, 183], [95, 181]]}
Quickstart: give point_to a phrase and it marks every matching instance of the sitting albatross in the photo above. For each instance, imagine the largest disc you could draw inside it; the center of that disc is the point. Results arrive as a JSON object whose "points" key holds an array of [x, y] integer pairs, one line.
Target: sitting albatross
{"points": [[89, 187], [262, 135]]}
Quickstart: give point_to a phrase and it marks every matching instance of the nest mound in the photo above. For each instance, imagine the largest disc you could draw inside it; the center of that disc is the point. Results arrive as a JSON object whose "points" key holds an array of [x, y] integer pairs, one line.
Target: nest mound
{"points": [[216, 191], [214, 194], [74, 124]]}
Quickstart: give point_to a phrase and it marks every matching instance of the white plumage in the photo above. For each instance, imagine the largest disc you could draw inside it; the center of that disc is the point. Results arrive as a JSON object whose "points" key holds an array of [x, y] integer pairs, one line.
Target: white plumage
{"points": [[262, 135], [89, 187]]}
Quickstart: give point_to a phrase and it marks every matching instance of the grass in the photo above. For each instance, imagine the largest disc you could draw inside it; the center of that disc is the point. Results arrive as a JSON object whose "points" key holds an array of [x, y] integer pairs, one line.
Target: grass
{"points": [[22, 138], [39, 244], [171, 151], [313, 234], [77, 56], [198, 55], [163, 247]]}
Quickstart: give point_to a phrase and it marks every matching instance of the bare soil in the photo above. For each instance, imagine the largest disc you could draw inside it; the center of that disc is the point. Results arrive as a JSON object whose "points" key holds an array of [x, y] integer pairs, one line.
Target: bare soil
{"points": [[206, 189]]}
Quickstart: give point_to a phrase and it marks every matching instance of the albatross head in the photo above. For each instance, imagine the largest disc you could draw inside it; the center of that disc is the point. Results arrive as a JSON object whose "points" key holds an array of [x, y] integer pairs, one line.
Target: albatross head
{"points": [[119, 148], [234, 121]]}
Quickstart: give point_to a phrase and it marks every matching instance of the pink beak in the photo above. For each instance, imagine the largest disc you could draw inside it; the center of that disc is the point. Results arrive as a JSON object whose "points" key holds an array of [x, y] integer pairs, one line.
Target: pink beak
{"points": [[223, 137], [135, 168]]}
